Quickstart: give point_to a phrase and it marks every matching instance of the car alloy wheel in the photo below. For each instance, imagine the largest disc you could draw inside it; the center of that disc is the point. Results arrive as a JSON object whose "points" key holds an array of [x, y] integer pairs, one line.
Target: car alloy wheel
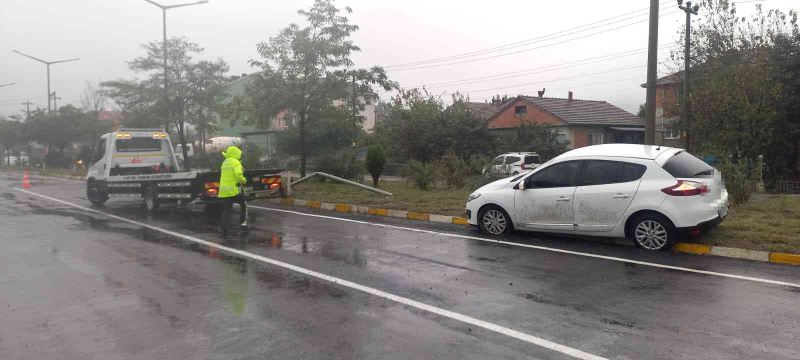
{"points": [[494, 221], [651, 235]]}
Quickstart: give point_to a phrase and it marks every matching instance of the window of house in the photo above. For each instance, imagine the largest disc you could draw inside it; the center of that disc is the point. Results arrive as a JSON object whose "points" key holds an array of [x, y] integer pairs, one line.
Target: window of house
{"points": [[519, 110], [594, 139], [671, 132]]}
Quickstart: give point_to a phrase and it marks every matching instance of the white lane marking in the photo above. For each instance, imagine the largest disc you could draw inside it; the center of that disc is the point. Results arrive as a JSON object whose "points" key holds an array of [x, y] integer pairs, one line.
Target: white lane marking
{"points": [[547, 344], [538, 247]]}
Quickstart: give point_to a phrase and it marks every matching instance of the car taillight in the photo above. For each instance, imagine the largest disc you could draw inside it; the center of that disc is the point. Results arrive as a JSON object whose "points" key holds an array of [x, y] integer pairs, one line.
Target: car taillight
{"points": [[212, 188], [524, 166], [686, 188], [272, 183]]}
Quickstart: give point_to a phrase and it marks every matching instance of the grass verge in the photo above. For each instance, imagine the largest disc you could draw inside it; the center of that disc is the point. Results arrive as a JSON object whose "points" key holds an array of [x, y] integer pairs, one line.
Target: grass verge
{"points": [[405, 197], [766, 223]]}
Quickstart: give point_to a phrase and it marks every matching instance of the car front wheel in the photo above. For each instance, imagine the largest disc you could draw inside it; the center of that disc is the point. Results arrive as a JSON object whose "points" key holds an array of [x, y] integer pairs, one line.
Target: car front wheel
{"points": [[653, 232], [494, 221]]}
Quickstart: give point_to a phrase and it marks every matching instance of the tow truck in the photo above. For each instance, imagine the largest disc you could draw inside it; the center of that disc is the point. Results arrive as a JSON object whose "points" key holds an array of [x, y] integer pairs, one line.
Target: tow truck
{"points": [[141, 164]]}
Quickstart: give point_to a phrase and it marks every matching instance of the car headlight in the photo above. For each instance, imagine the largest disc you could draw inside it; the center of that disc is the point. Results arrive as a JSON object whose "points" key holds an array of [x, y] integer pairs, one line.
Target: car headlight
{"points": [[473, 196]]}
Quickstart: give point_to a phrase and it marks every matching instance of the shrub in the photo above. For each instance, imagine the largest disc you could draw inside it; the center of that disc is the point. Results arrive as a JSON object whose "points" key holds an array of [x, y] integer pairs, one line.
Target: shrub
{"points": [[422, 174], [376, 162], [346, 165], [740, 179], [454, 170]]}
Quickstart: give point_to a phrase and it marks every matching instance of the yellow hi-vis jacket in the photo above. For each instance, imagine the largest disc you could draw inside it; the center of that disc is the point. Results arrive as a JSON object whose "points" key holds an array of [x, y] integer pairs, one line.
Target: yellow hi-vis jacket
{"points": [[232, 173]]}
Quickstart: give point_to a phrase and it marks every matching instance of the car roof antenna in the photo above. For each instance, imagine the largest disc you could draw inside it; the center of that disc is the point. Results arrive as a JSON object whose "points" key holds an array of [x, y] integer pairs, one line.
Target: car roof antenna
{"points": [[660, 142]]}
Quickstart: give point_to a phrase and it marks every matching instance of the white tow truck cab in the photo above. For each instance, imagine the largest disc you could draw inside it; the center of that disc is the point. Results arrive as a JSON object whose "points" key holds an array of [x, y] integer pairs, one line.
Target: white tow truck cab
{"points": [[141, 163]]}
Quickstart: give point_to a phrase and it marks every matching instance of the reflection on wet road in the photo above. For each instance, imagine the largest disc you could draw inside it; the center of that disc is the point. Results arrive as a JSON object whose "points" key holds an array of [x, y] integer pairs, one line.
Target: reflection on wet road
{"points": [[83, 285]]}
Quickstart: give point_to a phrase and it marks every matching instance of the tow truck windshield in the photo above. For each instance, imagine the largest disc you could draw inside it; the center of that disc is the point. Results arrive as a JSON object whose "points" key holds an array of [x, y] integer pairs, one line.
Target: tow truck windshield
{"points": [[138, 145]]}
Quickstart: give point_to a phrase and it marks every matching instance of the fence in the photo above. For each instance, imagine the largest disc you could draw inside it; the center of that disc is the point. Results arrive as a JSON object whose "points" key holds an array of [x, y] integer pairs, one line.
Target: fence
{"points": [[787, 187]]}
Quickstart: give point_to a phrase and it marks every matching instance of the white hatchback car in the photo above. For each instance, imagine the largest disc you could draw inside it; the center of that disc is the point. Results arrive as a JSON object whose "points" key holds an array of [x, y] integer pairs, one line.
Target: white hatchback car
{"points": [[649, 194], [513, 164]]}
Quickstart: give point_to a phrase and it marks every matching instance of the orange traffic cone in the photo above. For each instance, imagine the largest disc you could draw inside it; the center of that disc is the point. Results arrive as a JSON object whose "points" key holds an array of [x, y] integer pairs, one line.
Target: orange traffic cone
{"points": [[26, 180]]}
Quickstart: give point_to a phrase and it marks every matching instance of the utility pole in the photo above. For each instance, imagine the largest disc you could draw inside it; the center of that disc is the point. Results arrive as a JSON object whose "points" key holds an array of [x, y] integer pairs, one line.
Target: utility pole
{"points": [[27, 104], [689, 10], [652, 69], [48, 63], [55, 101], [164, 9]]}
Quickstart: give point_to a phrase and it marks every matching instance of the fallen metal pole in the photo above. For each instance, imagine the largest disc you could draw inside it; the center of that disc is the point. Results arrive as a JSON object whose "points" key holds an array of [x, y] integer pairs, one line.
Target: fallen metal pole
{"points": [[336, 178]]}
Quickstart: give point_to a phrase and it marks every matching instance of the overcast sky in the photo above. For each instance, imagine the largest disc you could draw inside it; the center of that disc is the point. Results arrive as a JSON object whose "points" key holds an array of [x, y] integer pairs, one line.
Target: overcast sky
{"points": [[106, 34]]}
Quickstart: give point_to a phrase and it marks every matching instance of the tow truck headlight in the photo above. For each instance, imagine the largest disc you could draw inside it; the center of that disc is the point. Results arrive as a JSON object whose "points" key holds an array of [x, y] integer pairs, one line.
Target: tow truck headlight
{"points": [[474, 196]]}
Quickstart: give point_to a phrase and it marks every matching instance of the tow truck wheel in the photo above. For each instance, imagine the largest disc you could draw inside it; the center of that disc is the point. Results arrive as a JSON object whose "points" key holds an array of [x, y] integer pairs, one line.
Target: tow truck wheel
{"points": [[94, 194], [151, 202]]}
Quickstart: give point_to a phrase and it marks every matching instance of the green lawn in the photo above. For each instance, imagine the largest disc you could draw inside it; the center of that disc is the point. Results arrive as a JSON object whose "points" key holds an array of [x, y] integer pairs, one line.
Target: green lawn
{"points": [[405, 197], [767, 222]]}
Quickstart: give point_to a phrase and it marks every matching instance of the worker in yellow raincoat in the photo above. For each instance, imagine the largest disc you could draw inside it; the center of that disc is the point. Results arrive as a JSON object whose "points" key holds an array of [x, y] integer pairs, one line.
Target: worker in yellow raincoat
{"points": [[230, 181]]}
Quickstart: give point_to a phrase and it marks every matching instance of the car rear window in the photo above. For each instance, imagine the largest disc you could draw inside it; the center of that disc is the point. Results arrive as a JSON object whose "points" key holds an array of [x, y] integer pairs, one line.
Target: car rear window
{"points": [[512, 159], [684, 165], [532, 159], [138, 145]]}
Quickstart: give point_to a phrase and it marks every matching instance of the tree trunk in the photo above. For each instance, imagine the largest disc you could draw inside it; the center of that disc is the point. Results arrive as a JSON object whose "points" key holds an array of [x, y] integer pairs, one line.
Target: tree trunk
{"points": [[182, 136], [303, 144]]}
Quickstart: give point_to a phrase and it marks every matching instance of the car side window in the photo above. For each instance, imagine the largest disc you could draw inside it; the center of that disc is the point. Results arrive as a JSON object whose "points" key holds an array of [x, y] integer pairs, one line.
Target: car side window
{"points": [[600, 172], [632, 172], [512, 159], [556, 175], [497, 161]]}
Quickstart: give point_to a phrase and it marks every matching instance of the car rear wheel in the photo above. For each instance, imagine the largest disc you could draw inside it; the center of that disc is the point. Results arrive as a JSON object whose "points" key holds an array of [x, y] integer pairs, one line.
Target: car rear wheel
{"points": [[495, 221], [653, 232]]}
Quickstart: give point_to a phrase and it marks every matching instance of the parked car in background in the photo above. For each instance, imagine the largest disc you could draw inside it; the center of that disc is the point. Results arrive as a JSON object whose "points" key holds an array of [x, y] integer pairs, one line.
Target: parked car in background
{"points": [[179, 151], [513, 164], [649, 194]]}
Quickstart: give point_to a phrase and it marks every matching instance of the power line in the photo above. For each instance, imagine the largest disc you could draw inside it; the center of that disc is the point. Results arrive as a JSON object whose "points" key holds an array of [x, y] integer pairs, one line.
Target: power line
{"points": [[515, 44], [617, 80], [529, 49], [537, 70]]}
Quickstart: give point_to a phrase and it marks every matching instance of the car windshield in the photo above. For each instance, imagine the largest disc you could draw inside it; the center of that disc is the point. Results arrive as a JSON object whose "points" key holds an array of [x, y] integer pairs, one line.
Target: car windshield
{"points": [[684, 165], [138, 144]]}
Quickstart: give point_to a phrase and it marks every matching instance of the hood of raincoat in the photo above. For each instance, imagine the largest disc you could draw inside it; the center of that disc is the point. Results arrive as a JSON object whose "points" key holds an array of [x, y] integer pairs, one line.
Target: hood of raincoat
{"points": [[232, 152]]}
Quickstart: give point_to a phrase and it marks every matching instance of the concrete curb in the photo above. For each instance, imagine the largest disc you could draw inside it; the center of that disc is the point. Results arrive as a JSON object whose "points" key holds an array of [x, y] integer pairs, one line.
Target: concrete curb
{"points": [[355, 209], [688, 248]]}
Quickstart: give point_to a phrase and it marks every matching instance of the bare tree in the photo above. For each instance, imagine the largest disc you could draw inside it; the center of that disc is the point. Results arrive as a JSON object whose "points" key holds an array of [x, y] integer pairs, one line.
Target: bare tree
{"points": [[93, 101]]}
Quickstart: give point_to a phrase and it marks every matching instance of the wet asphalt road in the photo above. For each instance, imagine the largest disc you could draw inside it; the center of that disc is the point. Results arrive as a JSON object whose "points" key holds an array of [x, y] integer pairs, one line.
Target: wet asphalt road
{"points": [[81, 285]]}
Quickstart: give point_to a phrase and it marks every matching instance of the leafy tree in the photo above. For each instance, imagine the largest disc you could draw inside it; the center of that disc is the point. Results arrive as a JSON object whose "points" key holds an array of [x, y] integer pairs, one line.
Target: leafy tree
{"points": [[376, 162], [57, 131], [745, 88], [642, 111], [10, 136], [193, 87], [305, 68]]}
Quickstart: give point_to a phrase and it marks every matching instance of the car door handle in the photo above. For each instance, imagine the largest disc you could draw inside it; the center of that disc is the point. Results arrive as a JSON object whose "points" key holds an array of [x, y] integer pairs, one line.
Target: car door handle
{"points": [[563, 199], [621, 196]]}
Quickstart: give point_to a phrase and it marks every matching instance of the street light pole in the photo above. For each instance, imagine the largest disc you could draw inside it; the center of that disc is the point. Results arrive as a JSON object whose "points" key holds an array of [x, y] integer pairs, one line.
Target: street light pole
{"points": [[48, 63], [164, 9], [689, 10]]}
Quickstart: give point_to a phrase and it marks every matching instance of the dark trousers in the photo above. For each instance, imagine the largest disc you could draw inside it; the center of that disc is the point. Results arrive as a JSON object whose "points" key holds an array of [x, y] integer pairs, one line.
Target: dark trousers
{"points": [[227, 208]]}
